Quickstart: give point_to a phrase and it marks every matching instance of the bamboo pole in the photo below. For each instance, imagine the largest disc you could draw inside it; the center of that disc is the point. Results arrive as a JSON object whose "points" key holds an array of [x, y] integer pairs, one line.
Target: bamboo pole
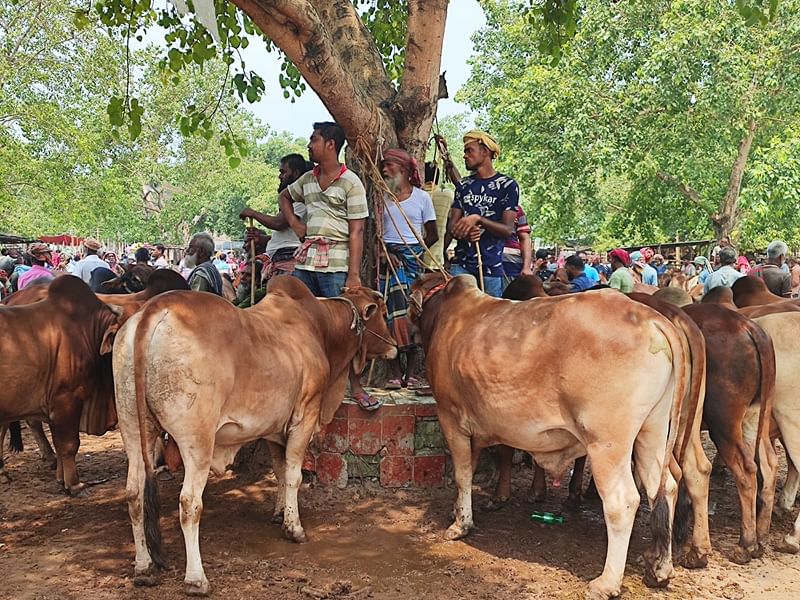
{"points": [[252, 268], [480, 265]]}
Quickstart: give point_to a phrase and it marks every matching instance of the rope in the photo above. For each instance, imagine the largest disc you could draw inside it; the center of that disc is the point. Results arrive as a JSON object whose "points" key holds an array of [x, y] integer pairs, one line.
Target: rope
{"points": [[362, 150]]}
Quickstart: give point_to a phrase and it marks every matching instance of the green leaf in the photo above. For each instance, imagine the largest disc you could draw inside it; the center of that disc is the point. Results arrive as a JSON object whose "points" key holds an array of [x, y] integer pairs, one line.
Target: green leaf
{"points": [[234, 161], [80, 19]]}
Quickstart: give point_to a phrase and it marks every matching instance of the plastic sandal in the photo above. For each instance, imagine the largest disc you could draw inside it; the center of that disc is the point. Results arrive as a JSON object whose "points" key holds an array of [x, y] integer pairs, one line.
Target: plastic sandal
{"points": [[367, 402]]}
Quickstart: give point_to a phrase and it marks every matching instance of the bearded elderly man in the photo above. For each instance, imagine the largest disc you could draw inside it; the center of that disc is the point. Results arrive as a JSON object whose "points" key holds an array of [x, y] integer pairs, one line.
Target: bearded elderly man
{"points": [[483, 211], [204, 276], [411, 218]]}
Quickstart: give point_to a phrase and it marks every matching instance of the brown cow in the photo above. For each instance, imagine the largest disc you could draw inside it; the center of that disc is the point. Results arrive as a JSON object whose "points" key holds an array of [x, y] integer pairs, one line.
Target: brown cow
{"points": [[103, 408], [59, 373], [211, 397], [476, 348], [752, 291], [741, 380]]}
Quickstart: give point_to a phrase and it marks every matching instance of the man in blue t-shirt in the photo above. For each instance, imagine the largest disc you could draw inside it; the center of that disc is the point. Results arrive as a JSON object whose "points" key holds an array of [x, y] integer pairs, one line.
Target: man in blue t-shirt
{"points": [[483, 211], [579, 281]]}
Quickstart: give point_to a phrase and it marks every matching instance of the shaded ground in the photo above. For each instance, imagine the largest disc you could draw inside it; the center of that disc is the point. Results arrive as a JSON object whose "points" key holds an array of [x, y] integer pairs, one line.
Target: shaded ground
{"points": [[365, 542]]}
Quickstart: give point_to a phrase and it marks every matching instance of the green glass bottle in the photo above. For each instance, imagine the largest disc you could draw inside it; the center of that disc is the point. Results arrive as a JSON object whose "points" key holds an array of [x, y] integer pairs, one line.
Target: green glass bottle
{"points": [[548, 518]]}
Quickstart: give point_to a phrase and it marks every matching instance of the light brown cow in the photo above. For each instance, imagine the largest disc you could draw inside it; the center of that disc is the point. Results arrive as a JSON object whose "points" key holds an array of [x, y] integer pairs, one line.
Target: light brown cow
{"points": [[478, 352], [276, 371], [784, 329]]}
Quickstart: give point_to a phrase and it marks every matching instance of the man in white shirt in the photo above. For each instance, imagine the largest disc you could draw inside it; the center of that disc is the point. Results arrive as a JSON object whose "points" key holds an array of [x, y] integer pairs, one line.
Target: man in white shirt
{"points": [[726, 274], [84, 267], [405, 221]]}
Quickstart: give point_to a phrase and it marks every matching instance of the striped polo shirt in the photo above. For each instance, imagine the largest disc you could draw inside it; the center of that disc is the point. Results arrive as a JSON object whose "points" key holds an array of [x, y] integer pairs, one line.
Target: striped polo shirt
{"points": [[328, 213]]}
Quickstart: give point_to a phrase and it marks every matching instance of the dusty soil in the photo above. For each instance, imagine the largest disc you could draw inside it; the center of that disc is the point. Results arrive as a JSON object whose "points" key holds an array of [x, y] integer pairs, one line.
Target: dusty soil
{"points": [[365, 542]]}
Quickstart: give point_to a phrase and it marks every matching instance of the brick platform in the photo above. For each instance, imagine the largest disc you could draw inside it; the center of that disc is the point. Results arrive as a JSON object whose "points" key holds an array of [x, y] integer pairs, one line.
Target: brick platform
{"points": [[399, 445]]}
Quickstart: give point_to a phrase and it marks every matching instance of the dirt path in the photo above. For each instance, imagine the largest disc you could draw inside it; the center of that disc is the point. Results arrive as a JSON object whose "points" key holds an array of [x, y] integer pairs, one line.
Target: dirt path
{"points": [[365, 542]]}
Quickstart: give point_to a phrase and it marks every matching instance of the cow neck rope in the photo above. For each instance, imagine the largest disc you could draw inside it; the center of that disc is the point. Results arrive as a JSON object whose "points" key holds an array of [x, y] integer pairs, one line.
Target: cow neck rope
{"points": [[430, 293], [358, 323]]}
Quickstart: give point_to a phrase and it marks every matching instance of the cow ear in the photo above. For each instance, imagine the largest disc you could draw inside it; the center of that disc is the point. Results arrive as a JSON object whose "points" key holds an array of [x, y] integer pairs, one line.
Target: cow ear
{"points": [[107, 345], [110, 283], [369, 311]]}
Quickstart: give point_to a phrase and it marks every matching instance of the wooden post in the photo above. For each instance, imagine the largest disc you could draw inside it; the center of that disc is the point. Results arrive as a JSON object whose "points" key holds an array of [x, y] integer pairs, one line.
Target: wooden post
{"points": [[252, 268], [480, 265]]}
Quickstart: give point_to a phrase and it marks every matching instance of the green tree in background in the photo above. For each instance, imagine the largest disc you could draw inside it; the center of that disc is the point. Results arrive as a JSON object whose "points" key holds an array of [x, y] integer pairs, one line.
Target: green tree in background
{"points": [[680, 99]]}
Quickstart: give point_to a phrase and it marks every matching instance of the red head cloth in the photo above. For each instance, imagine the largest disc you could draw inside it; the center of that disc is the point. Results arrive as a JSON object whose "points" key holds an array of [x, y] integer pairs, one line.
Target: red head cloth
{"points": [[647, 254], [407, 162], [620, 255]]}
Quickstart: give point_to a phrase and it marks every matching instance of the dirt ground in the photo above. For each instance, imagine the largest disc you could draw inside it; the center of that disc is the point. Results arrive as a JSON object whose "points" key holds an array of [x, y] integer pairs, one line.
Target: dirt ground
{"points": [[365, 542]]}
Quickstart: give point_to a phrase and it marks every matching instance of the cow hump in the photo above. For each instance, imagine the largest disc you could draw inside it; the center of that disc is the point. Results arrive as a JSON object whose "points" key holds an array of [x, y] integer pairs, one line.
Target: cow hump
{"points": [[289, 286], [73, 295]]}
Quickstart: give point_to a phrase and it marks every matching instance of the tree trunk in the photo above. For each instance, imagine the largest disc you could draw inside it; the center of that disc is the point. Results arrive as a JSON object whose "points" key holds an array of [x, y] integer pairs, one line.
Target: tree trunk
{"points": [[727, 218]]}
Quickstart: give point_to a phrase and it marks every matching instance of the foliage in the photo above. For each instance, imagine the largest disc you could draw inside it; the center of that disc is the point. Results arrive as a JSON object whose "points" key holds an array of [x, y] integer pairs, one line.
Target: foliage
{"points": [[657, 94], [63, 170]]}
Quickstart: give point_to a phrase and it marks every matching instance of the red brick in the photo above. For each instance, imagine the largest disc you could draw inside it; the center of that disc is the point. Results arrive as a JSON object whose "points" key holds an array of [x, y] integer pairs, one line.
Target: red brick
{"points": [[397, 409], [398, 435], [354, 411], [332, 469], [309, 462], [397, 471], [365, 436], [429, 471], [334, 438], [426, 410]]}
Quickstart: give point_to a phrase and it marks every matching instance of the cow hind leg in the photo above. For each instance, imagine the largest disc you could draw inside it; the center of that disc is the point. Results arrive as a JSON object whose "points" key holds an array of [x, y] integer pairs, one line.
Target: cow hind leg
{"points": [[743, 468], [461, 453], [4, 477], [538, 491], [504, 455], [46, 452], [790, 487], [649, 463], [278, 453], [695, 484], [790, 434], [614, 480], [296, 445], [768, 470], [196, 468]]}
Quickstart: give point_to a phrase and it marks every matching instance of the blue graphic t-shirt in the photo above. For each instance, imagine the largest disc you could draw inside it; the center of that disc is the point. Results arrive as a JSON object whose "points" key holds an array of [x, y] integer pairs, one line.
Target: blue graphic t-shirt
{"points": [[489, 198]]}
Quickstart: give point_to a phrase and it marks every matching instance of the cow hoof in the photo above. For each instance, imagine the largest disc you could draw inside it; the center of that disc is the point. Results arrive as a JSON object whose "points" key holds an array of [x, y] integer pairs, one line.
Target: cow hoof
{"points": [[788, 546], [692, 559], [146, 578], [741, 556], [277, 518], [78, 491], [758, 551], [296, 534], [197, 588], [495, 504], [597, 591], [651, 580], [456, 532]]}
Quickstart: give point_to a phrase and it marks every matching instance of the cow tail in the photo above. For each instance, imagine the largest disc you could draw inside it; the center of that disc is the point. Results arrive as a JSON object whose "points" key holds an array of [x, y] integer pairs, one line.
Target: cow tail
{"points": [[766, 384], [15, 429], [152, 505], [660, 514], [697, 391]]}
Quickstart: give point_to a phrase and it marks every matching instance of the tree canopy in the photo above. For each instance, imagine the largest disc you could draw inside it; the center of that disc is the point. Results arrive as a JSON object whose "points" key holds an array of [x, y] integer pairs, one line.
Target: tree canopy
{"points": [[659, 119]]}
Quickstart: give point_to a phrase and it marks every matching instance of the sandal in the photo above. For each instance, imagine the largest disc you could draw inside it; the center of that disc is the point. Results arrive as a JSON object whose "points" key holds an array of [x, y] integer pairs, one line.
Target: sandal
{"points": [[393, 384], [367, 402], [413, 382]]}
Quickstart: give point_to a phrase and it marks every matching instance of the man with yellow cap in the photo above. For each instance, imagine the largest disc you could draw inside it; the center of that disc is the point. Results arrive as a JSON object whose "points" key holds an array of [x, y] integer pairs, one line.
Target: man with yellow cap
{"points": [[483, 211]]}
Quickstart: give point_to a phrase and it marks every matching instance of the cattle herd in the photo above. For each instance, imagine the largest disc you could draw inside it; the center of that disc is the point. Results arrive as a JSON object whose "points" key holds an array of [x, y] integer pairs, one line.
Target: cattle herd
{"points": [[166, 360]]}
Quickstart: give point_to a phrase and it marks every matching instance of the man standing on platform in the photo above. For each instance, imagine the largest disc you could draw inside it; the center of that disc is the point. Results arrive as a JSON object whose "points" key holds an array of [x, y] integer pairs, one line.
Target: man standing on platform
{"points": [[483, 211]]}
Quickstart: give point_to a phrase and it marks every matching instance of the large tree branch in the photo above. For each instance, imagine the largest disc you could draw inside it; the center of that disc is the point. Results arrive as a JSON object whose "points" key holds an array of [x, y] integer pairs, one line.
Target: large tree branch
{"points": [[335, 54], [415, 105], [685, 191], [731, 199]]}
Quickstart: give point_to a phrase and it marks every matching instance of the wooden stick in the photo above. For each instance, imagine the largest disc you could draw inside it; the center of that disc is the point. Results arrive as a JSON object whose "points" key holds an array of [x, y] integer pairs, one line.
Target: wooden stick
{"points": [[385, 294], [252, 268], [480, 265]]}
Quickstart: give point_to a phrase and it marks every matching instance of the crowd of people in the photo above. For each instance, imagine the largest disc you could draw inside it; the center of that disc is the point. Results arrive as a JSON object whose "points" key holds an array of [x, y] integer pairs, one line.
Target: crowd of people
{"points": [[318, 236]]}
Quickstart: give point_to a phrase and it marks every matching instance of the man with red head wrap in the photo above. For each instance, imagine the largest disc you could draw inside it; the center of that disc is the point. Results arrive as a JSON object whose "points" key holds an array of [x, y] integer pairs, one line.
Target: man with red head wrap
{"points": [[621, 279], [406, 220]]}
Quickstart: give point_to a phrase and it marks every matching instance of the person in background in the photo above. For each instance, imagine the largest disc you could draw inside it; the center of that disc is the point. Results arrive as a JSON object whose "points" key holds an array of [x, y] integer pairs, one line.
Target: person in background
{"points": [[704, 267], [726, 274], [113, 263], [778, 281], [442, 199], [588, 269], [621, 278], [204, 276], [158, 258], [579, 281], [84, 267], [517, 251], [794, 272], [40, 255], [688, 269], [659, 264], [540, 264], [649, 274], [601, 265], [743, 265]]}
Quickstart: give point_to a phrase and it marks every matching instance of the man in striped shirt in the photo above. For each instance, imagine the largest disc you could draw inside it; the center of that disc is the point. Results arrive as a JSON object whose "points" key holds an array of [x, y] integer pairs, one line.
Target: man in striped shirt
{"points": [[332, 237]]}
